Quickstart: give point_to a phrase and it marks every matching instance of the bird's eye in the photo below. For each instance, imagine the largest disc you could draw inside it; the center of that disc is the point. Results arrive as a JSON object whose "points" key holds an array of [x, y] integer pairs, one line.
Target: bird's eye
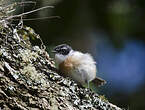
{"points": [[63, 50]]}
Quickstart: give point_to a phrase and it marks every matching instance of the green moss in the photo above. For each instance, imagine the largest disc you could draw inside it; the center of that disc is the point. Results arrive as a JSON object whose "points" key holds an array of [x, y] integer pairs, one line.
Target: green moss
{"points": [[103, 98]]}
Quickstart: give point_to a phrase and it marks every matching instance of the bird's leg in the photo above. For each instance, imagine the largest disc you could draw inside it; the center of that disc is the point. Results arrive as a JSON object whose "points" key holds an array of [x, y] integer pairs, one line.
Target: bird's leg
{"points": [[88, 84]]}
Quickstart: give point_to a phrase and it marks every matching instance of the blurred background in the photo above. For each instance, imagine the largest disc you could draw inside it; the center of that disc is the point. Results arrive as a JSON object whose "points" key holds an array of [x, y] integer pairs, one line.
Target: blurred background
{"points": [[112, 31]]}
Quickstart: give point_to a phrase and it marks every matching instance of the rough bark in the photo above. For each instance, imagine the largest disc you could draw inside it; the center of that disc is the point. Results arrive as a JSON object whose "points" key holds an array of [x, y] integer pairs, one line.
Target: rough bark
{"points": [[28, 80]]}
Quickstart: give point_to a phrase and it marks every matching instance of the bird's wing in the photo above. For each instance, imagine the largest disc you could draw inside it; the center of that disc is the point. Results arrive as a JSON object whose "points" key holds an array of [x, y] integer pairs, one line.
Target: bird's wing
{"points": [[98, 81]]}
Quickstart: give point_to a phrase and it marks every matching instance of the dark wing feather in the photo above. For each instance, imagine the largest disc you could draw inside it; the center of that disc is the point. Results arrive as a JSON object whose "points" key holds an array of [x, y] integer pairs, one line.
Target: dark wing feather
{"points": [[98, 82]]}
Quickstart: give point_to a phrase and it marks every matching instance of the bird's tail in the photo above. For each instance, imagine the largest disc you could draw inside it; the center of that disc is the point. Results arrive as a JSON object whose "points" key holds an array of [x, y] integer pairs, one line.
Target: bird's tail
{"points": [[98, 82]]}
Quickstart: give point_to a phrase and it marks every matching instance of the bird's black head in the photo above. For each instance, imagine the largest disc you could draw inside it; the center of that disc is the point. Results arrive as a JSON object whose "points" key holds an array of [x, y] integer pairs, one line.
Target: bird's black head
{"points": [[63, 49]]}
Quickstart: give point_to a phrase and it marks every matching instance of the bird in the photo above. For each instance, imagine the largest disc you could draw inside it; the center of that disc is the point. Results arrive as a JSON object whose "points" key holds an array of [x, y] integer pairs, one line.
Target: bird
{"points": [[79, 66]]}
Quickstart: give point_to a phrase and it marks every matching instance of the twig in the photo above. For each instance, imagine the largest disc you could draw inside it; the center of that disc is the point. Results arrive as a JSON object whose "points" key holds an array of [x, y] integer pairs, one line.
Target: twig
{"points": [[15, 16], [19, 3], [25, 2], [33, 19]]}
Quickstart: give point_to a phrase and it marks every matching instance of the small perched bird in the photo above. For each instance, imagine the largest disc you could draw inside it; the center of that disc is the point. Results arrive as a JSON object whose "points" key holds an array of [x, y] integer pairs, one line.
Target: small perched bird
{"points": [[81, 67]]}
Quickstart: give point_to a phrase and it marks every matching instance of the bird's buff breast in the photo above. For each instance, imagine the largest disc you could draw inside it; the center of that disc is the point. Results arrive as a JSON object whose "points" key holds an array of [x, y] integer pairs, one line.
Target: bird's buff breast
{"points": [[67, 66], [71, 68]]}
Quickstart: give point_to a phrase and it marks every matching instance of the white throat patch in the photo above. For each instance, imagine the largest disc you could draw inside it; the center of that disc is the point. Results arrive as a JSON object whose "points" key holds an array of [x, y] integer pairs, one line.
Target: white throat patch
{"points": [[60, 58]]}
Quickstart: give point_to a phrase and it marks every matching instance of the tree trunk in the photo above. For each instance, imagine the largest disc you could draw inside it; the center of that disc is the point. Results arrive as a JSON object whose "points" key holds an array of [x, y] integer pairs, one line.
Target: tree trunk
{"points": [[28, 80]]}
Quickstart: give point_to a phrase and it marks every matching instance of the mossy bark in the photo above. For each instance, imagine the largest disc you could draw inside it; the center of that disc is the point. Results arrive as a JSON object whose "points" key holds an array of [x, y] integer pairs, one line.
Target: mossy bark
{"points": [[28, 80]]}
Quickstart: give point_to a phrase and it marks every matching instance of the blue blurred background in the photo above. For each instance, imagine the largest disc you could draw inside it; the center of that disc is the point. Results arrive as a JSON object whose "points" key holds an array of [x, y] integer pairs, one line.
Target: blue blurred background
{"points": [[112, 31]]}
